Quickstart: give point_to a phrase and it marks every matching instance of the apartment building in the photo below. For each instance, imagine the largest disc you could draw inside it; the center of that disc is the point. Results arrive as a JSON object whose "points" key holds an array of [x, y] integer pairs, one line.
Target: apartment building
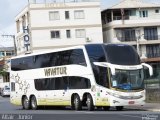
{"points": [[136, 23], [48, 25]]}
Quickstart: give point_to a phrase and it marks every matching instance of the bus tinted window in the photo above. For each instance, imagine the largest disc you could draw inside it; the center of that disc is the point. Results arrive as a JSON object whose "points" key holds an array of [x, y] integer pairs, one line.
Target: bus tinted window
{"points": [[78, 83], [95, 53], [62, 83], [75, 56], [42, 84], [127, 55]]}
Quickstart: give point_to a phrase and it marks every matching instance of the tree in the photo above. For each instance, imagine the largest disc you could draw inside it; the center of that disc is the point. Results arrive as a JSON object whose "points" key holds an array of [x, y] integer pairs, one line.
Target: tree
{"points": [[2, 72]]}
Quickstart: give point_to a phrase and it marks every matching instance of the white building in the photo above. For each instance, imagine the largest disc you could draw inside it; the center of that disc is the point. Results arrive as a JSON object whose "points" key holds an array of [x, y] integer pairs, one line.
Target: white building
{"points": [[136, 23], [49, 25]]}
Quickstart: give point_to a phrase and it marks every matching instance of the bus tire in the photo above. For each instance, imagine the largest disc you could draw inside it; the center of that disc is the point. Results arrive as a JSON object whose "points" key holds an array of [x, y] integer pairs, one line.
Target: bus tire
{"points": [[89, 102], [34, 103], [106, 108], [119, 108], [25, 103], [77, 103]]}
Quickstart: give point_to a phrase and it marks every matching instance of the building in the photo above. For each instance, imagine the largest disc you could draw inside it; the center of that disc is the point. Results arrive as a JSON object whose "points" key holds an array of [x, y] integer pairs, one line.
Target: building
{"points": [[49, 25], [136, 23], [7, 50]]}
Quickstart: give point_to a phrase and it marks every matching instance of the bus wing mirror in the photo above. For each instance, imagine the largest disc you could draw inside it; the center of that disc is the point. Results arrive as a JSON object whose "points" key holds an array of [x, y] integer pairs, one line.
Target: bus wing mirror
{"points": [[105, 64], [149, 67]]}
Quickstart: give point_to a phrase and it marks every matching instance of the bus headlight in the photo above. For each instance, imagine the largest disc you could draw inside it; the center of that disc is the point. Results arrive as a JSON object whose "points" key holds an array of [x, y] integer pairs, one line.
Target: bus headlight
{"points": [[114, 94]]}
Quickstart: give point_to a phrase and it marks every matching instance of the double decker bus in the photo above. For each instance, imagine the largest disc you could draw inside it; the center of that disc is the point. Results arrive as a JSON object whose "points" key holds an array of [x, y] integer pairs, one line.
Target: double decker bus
{"points": [[92, 75]]}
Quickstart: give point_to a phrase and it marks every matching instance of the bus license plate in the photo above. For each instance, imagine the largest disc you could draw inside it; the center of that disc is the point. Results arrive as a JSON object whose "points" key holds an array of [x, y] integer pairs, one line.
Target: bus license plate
{"points": [[131, 102]]}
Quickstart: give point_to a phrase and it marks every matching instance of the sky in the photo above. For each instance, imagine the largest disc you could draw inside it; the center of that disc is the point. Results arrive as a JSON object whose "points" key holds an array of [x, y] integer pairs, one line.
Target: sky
{"points": [[10, 8]]}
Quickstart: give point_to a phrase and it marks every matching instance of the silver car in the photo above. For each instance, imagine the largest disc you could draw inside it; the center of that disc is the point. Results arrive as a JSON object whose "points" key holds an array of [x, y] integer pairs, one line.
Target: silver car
{"points": [[5, 91]]}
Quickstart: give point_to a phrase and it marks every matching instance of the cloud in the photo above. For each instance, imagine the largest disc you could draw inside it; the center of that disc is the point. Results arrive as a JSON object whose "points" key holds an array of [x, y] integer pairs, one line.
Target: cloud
{"points": [[7, 14], [9, 30]]}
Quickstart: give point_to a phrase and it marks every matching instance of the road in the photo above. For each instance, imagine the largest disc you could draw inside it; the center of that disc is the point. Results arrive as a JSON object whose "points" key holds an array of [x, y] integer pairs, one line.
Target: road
{"points": [[11, 112]]}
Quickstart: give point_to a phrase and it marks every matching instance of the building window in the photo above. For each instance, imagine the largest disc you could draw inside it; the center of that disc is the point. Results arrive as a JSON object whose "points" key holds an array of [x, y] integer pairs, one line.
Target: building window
{"points": [[143, 13], [67, 14], [79, 14], [126, 34], [9, 53], [151, 33], [55, 34], [54, 15], [80, 33], [68, 33], [132, 12], [153, 51], [156, 11]]}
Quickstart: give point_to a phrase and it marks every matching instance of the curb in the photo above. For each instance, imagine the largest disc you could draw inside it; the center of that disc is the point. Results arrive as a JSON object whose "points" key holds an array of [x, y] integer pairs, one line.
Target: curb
{"points": [[153, 110]]}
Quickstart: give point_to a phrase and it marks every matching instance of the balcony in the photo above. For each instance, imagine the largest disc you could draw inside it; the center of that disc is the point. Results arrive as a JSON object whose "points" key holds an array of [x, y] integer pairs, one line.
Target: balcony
{"points": [[120, 18]]}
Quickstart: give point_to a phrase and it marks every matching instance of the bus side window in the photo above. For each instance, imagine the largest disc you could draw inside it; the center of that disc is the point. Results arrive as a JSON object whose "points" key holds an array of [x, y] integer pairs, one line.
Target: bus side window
{"points": [[77, 57], [79, 83], [12, 86], [51, 84], [102, 76], [60, 83]]}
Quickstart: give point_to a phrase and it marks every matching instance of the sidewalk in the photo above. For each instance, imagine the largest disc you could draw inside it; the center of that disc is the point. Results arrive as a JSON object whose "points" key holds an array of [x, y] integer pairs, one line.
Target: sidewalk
{"points": [[147, 107]]}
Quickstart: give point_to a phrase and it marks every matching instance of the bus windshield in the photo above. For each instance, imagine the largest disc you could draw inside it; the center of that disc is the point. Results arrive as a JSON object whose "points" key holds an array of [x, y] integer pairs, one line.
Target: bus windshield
{"points": [[128, 79]]}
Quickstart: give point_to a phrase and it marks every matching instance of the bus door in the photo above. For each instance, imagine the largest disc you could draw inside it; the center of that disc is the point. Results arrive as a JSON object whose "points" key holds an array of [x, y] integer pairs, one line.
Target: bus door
{"points": [[102, 79]]}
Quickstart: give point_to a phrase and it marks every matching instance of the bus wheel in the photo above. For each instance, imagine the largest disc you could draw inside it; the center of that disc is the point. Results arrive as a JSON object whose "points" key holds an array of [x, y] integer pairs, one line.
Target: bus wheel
{"points": [[106, 108], [89, 102], [77, 103], [119, 108], [33, 103], [25, 103]]}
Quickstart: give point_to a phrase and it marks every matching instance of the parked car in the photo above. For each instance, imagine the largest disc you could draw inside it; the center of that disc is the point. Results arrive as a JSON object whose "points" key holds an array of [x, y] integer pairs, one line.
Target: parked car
{"points": [[5, 91]]}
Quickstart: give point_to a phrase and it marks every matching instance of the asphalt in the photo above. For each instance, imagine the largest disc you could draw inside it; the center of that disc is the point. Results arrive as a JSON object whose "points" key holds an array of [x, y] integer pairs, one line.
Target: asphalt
{"points": [[147, 107]]}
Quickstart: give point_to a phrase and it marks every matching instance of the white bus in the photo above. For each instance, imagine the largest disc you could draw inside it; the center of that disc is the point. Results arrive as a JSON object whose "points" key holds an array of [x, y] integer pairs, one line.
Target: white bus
{"points": [[93, 75]]}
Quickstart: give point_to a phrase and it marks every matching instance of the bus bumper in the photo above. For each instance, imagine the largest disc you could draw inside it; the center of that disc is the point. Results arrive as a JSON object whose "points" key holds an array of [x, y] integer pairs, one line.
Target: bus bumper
{"points": [[126, 102]]}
